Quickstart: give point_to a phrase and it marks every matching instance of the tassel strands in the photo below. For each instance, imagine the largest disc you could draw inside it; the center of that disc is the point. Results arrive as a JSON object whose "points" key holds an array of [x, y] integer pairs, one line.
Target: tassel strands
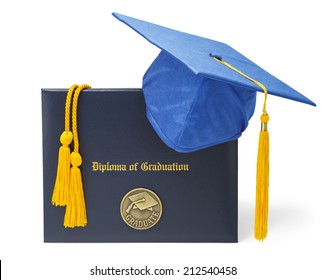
{"points": [[60, 191], [75, 215], [262, 182], [262, 176]]}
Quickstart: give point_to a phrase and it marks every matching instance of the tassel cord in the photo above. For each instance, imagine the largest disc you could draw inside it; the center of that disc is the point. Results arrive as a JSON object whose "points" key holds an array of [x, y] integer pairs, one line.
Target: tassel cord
{"points": [[262, 175], [75, 215], [59, 195]]}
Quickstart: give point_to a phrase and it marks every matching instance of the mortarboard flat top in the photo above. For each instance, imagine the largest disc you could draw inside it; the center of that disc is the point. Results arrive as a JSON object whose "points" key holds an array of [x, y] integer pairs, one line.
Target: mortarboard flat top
{"points": [[143, 201], [195, 52], [193, 101]]}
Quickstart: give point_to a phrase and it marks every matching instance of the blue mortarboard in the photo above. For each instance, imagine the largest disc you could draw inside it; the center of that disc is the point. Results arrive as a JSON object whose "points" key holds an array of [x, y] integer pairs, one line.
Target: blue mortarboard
{"points": [[193, 101], [200, 93]]}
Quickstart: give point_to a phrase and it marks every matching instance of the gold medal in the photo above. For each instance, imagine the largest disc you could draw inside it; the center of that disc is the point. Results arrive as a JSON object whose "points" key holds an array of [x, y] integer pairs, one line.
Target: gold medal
{"points": [[141, 208]]}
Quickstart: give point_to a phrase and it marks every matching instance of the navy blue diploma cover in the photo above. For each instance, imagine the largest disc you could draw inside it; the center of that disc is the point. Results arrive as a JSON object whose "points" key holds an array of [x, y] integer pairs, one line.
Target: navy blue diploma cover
{"points": [[196, 192]]}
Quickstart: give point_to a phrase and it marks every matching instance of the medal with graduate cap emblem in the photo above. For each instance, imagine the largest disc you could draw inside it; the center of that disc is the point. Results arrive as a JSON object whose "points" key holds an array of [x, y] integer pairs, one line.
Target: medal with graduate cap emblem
{"points": [[141, 208]]}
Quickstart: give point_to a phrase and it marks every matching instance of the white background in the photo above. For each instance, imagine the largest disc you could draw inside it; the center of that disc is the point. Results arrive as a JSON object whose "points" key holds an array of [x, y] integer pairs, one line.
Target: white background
{"points": [[58, 43]]}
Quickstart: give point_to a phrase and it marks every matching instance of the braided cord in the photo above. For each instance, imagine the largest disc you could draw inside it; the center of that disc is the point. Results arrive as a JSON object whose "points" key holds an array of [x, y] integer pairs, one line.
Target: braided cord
{"points": [[74, 115], [247, 77], [68, 105]]}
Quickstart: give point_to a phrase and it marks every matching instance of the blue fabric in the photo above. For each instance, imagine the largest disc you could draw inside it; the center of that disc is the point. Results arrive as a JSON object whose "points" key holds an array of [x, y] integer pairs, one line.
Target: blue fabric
{"points": [[198, 112], [195, 52], [193, 101]]}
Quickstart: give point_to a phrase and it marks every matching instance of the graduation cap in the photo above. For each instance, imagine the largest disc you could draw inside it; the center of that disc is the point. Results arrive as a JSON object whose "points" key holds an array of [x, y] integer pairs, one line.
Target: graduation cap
{"points": [[200, 92], [141, 201]]}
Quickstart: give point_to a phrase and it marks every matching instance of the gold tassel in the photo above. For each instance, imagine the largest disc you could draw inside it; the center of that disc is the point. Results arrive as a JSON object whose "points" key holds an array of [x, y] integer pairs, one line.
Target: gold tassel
{"points": [[59, 196], [75, 215], [76, 209], [262, 181], [262, 176]]}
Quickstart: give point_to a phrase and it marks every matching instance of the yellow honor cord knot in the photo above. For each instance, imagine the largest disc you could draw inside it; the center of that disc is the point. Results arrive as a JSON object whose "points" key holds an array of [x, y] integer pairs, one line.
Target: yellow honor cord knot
{"points": [[264, 118], [66, 138], [76, 159]]}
